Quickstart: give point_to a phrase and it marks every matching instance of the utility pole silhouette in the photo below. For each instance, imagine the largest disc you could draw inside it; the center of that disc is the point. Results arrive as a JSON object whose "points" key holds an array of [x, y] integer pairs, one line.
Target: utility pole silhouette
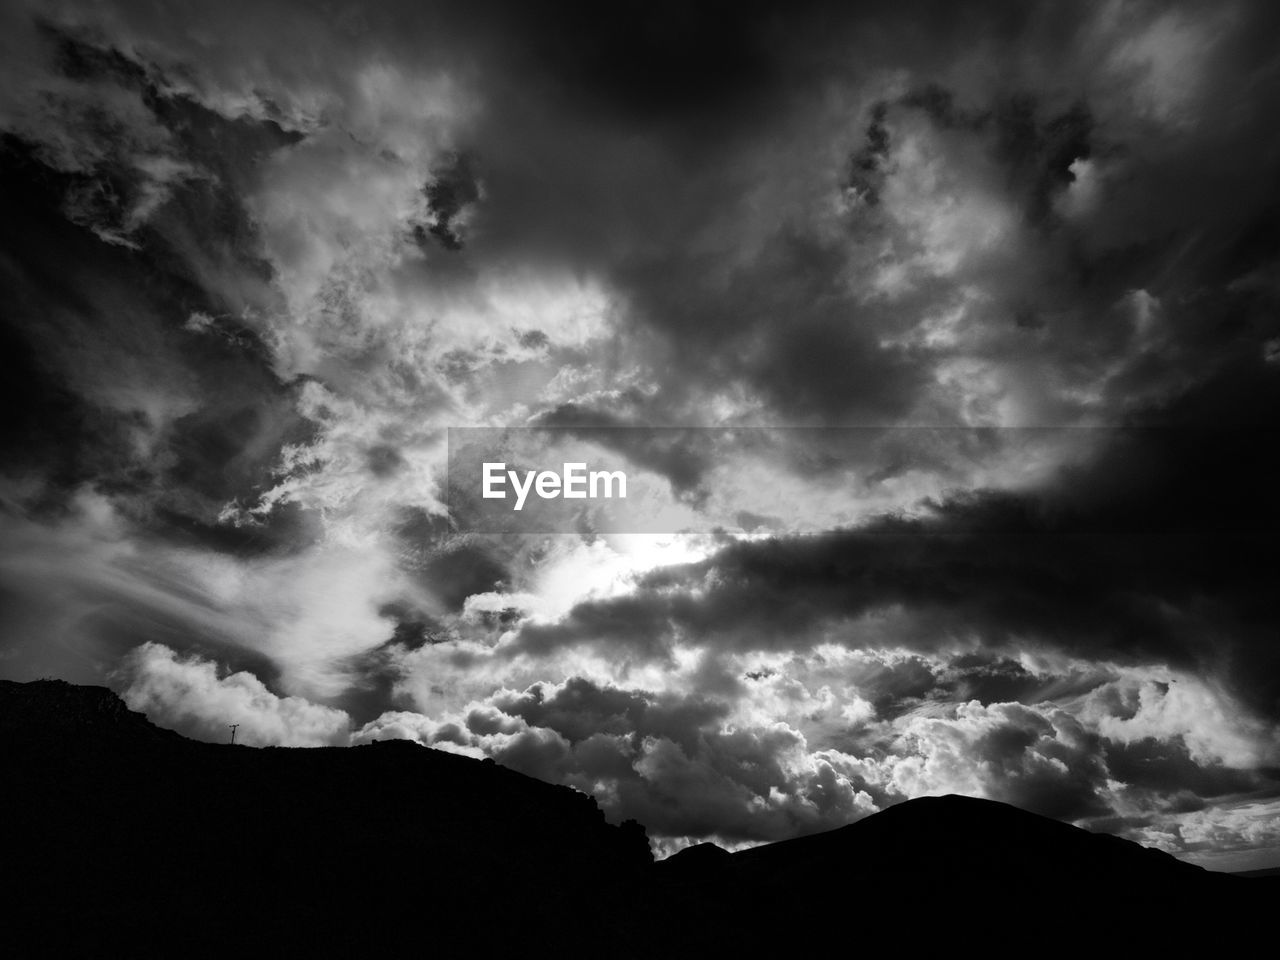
{"points": [[233, 731]]}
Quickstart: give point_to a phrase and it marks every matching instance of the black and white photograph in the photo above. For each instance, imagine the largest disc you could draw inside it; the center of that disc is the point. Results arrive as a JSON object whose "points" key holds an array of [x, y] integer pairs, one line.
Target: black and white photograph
{"points": [[655, 479]]}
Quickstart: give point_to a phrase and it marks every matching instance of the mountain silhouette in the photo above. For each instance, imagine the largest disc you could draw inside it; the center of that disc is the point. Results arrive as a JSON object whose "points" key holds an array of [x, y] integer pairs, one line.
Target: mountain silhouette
{"points": [[118, 837], [933, 868]]}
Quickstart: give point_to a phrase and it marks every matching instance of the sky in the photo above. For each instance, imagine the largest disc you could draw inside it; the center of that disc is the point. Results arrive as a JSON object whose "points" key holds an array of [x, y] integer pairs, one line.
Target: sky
{"points": [[1000, 279]]}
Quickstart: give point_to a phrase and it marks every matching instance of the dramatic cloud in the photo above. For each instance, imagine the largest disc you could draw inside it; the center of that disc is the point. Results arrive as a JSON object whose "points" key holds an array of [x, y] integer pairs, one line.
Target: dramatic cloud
{"points": [[188, 695]]}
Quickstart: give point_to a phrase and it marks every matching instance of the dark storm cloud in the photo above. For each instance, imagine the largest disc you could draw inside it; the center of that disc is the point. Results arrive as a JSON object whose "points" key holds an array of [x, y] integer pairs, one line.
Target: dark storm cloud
{"points": [[992, 680], [1163, 767], [461, 568], [654, 62], [580, 709], [666, 759], [453, 567], [454, 186], [782, 323], [1157, 552], [48, 428], [778, 317], [786, 325], [1036, 151], [561, 188], [896, 687], [106, 337]]}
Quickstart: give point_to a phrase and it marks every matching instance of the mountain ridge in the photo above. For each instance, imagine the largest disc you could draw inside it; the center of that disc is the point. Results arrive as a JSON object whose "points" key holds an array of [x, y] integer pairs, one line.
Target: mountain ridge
{"points": [[120, 832]]}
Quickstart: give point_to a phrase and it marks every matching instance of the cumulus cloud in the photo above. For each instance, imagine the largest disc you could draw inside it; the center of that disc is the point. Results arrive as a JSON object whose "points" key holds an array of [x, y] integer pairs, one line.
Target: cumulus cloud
{"points": [[192, 696], [669, 761], [802, 757]]}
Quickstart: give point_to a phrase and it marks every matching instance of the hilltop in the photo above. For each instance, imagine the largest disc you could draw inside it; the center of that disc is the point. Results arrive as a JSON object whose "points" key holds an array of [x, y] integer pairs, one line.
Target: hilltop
{"points": [[120, 836]]}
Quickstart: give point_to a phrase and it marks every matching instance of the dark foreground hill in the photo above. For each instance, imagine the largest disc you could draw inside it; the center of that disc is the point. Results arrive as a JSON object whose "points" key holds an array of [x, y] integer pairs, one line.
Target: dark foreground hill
{"points": [[118, 838]]}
